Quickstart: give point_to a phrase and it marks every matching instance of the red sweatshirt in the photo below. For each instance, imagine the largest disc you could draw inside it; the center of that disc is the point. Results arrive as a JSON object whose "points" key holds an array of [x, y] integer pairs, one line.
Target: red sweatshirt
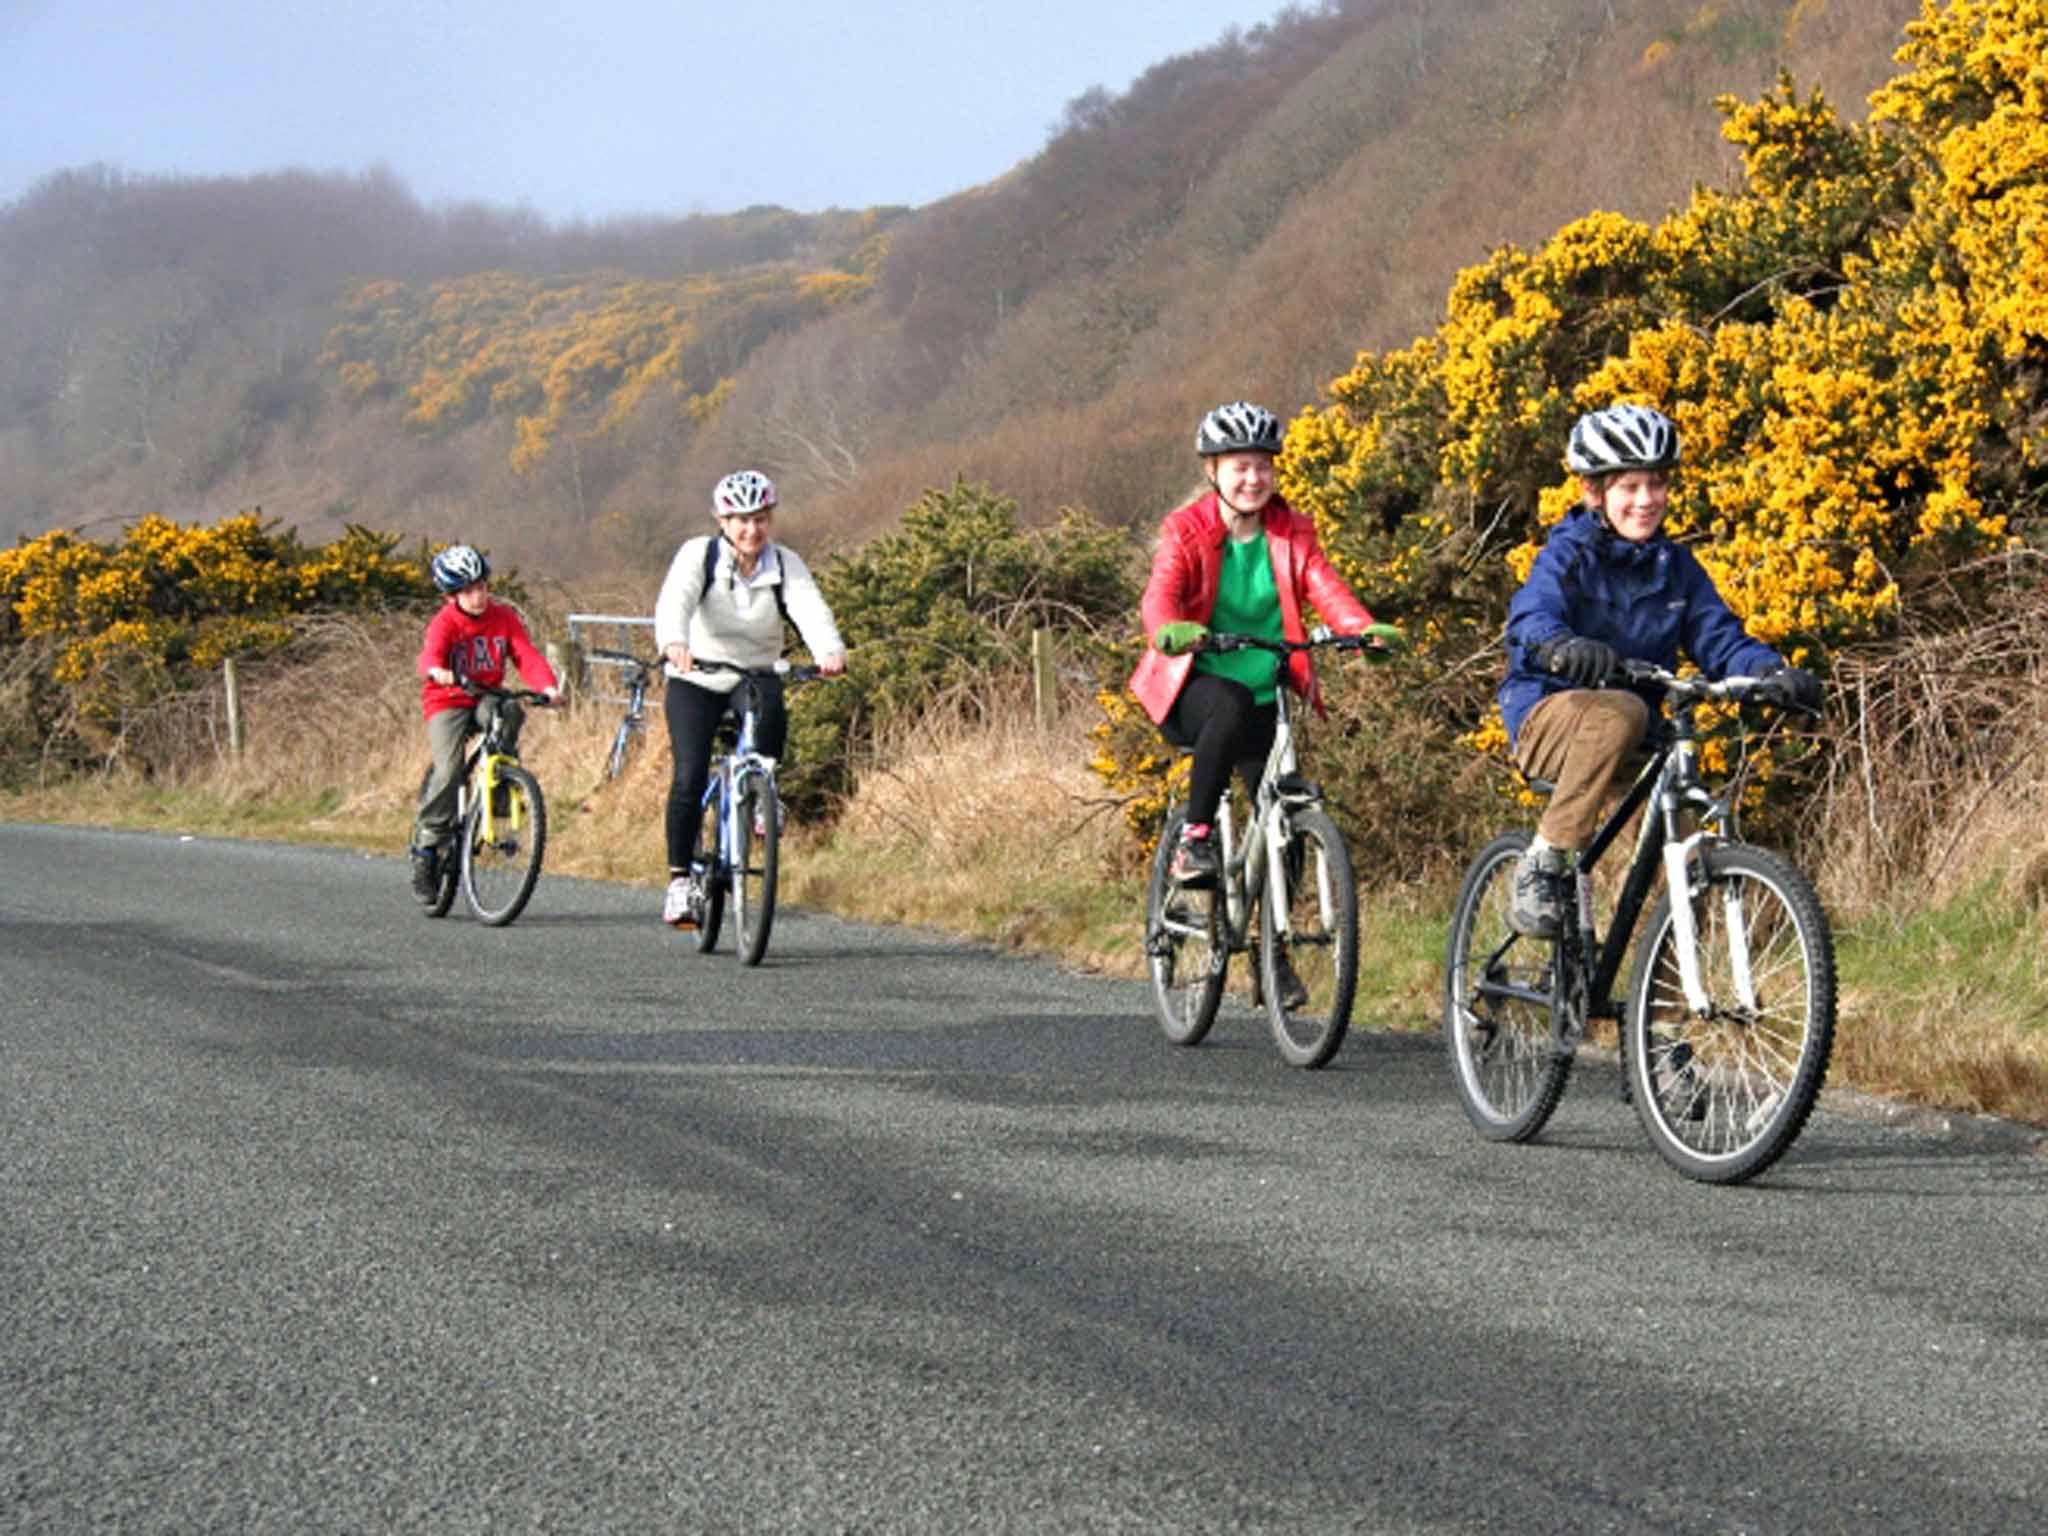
{"points": [[475, 650]]}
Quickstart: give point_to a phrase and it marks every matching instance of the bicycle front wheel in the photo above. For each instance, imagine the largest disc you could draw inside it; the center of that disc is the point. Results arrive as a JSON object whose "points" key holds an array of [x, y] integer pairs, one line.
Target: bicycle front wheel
{"points": [[1497, 1005], [1722, 1095], [754, 868], [1185, 947], [499, 870], [1310, 971]]}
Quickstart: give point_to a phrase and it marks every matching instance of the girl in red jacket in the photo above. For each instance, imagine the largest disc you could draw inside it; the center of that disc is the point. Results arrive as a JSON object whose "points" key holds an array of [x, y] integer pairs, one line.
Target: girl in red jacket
{"points": [[468, 641], [1240, 560]]}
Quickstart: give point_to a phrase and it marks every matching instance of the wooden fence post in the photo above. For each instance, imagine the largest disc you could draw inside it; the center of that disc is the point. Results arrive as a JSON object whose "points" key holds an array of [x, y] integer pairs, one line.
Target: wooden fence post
{"points": [[231, 684], [1044, 686]]}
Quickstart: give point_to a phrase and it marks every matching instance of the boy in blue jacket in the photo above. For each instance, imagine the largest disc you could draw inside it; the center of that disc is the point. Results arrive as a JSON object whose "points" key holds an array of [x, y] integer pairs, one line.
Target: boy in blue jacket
{"points": [[1608, 586]]}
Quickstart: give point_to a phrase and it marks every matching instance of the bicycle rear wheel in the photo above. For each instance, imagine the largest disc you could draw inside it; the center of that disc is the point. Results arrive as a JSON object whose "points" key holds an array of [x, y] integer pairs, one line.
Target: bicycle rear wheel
{"points": [[713, 874], [1185, 946], [1497, 1008], [500, 871], [1723, 1096], [754, 868], [1310, 972]]}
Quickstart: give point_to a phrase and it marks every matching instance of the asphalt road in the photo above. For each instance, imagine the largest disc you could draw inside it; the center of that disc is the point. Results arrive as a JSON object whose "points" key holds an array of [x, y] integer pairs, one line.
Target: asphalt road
{"points": [[322, 1216]]}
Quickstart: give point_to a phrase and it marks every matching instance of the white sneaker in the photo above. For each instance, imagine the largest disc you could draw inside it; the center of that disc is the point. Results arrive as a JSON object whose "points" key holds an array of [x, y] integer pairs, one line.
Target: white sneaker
{"points": [[684, 904]]}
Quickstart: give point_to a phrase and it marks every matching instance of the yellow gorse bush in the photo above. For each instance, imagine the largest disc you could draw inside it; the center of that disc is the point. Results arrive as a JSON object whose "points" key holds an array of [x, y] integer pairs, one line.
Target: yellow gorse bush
{"points": [[125, 623], [1848, 340]]}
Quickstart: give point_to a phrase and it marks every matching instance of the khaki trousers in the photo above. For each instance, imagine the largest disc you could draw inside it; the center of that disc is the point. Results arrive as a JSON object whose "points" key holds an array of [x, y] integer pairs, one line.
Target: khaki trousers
{"points": [[1579, 740]]}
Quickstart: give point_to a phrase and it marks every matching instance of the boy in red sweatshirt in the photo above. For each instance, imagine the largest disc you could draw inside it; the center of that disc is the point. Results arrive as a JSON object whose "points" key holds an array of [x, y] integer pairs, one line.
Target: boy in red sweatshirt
{"points": [[467, 642]]}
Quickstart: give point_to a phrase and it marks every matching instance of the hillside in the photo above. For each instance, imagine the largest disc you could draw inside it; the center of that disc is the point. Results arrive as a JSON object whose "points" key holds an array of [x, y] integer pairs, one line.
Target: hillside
{"points": [[1240, 222]]}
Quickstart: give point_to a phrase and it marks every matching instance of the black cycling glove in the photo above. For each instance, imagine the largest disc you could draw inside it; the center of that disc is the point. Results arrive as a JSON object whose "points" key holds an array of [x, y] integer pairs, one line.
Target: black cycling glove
{"points": [[1793, 687], [1585, 663]]}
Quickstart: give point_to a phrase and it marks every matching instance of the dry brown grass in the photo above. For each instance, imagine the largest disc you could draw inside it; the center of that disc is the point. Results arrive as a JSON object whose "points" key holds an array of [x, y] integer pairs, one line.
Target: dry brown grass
{"points": [[977, 821]]}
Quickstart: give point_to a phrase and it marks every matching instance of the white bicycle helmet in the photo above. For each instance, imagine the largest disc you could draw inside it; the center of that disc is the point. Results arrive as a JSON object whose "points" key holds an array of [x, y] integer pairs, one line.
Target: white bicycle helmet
{"points": [[1622, 437], [1239, 427], [741, 493], [458, 566]]}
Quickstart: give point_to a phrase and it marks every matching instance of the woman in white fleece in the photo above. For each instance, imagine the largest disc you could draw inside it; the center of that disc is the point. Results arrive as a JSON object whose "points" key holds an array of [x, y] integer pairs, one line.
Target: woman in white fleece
{"points": [[725, 598]]}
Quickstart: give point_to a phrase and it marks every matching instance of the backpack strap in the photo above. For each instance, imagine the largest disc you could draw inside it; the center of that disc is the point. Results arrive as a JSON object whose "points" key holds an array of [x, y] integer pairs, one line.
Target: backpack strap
{"points": [[711, 572]]}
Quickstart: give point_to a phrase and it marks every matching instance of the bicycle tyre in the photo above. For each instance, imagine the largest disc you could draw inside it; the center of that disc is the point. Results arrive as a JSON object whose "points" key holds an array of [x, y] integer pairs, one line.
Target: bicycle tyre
{"points": [[754, 871], [1321, 943], [1723, 1098], [714, 873], [615, 760], [498, 876], [1186, 952], [1502, 1047], [447, 864]]}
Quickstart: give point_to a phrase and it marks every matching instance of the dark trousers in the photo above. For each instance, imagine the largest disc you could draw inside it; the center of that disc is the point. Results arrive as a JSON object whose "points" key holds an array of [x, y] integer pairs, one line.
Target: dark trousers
{"points": [[693, 714], [1216, 719]]}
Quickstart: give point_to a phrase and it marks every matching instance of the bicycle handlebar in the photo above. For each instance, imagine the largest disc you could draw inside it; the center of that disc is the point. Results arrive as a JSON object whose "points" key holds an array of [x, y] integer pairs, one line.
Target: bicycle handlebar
{"points": [[793, 671], [1738, 689], [623, 658], [517, 695], [1376, 641]]}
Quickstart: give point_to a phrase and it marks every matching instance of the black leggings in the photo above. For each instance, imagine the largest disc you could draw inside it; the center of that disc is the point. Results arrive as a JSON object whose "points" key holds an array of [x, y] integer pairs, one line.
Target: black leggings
{"points": [[693, 714], [1216, 718]]}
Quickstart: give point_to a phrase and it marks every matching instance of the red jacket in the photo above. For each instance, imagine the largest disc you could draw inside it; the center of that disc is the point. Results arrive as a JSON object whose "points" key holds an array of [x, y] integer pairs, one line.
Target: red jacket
{"points": [[475, 650], [1189, 563]]}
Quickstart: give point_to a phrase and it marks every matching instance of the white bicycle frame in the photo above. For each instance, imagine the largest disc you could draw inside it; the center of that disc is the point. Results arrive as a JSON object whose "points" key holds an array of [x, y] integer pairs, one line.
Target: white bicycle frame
{"points": [[1266, 835]]}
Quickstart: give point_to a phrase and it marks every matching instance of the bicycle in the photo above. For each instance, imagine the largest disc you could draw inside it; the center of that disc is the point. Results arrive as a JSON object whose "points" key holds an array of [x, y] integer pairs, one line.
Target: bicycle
{"points": [[639, 674], [501, 818], [1307, 943], [746, 812], [1729, 1015]]}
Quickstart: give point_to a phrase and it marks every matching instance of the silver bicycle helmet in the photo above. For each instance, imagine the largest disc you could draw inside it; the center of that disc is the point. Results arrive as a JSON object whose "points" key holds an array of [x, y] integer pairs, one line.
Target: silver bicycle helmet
{"points": [[1622, 437], [742, 493], [1239, 427], [458, 566]]}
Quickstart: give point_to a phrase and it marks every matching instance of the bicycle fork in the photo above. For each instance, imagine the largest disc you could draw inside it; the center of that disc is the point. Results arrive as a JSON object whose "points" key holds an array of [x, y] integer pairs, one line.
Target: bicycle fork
{"points": [[487, 785], [1678, 856]]}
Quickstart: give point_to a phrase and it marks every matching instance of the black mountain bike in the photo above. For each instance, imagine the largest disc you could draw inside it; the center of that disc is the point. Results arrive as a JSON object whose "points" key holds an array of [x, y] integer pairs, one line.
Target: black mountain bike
{"points": [[1729, 1015], [501, 820]]}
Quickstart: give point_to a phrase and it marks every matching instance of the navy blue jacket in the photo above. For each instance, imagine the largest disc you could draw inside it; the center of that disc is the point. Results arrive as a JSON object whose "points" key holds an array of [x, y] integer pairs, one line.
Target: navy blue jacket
{"points": [[1649, 601]]}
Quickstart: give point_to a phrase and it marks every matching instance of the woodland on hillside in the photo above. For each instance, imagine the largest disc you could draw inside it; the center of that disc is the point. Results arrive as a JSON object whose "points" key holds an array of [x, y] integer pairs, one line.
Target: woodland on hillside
{"points": [[1241, 221]]}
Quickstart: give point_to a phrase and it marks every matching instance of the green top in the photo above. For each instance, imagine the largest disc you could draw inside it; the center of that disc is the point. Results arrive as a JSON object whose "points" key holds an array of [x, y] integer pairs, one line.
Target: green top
{"points": [[1247, 603]]}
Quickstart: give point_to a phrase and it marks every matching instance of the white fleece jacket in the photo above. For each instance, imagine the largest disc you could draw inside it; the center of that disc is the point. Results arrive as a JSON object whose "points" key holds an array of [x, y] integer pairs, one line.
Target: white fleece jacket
{"points": [[738, 620]]}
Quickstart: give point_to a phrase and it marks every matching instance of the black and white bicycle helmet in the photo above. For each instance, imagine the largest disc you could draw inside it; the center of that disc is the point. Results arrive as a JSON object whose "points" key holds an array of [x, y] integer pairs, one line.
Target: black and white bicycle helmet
{"points": [[742, 493], [1622, 437], [1239, 427], [458, 566]]}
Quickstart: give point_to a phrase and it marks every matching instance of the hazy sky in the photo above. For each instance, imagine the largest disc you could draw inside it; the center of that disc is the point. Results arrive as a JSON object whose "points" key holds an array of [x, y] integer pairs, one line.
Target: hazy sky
{"points": [[577, 110]]}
